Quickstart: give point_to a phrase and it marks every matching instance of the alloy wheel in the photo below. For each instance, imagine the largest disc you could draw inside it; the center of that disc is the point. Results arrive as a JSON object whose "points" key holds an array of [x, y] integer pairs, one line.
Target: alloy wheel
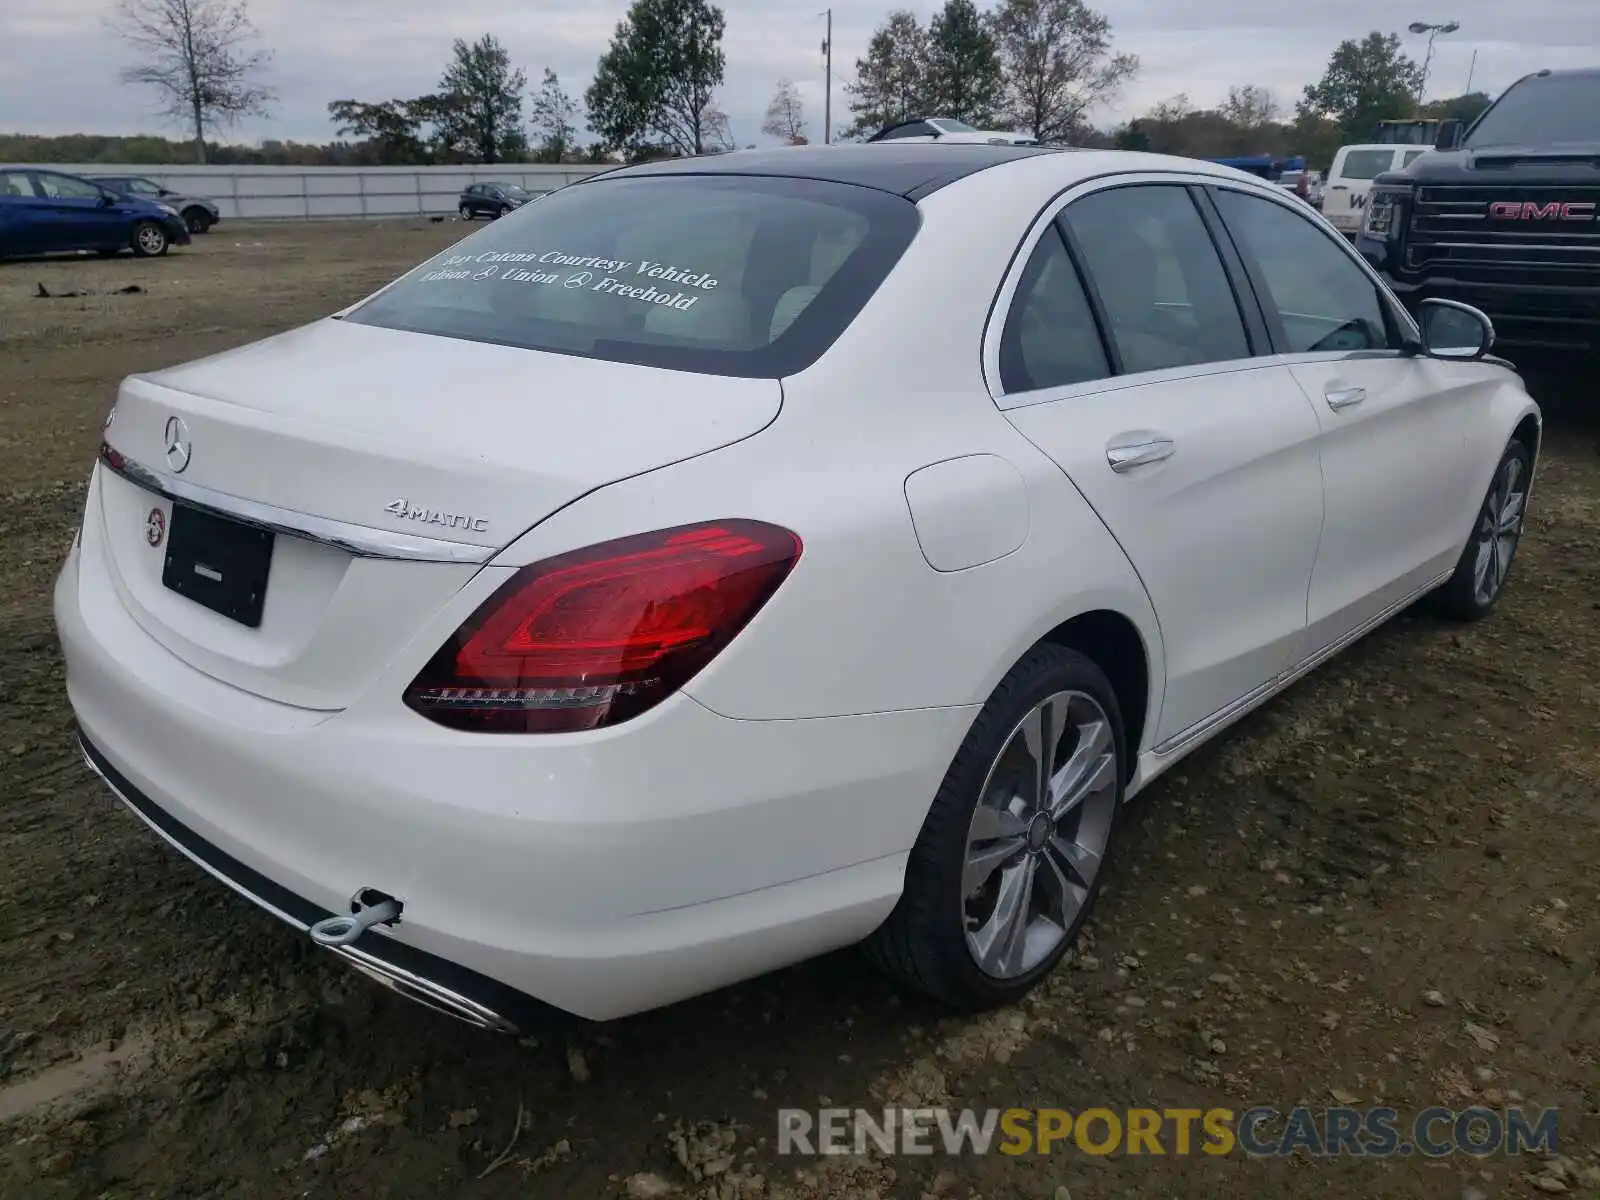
{"points": [[1499, 528], [1039, 833]]}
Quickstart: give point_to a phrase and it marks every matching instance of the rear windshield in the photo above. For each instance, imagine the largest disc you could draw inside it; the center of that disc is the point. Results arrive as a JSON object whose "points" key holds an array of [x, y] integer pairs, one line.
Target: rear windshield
{"points": [[1542, 112], [1366, 164], [721, 275]]}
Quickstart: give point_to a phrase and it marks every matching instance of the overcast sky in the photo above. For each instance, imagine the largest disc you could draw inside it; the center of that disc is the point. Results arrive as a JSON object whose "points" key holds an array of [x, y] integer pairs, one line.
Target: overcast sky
{"points": [[58, 64]]}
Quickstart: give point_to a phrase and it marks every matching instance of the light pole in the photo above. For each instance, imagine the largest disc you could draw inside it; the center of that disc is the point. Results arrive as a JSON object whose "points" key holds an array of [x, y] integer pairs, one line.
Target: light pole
{"points": [[827, 80], [1433, 31]]}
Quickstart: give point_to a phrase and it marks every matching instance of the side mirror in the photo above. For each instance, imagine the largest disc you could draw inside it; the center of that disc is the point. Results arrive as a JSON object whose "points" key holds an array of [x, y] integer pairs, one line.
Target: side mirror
{"points": [[107, 199], [1449, 135], [1454, 331]]}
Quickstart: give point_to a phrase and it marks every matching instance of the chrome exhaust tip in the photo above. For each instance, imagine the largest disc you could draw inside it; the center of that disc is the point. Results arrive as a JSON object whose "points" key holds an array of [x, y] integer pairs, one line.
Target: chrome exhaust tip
{"points": [[426, 992]]}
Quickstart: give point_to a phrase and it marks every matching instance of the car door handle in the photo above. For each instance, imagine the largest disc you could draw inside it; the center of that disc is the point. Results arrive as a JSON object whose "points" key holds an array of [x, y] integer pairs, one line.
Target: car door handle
{"points": [[1125, 456], [1340, 187], [1344, 397]]}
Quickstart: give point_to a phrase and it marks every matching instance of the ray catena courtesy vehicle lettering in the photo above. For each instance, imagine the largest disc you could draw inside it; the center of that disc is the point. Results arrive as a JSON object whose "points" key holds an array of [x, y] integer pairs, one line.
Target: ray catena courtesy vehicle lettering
{"points": [[848, 604]]}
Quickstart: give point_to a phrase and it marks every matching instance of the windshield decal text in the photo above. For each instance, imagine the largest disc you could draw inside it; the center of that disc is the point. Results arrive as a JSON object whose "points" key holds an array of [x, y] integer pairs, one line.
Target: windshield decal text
{"points": [[624, 278]]}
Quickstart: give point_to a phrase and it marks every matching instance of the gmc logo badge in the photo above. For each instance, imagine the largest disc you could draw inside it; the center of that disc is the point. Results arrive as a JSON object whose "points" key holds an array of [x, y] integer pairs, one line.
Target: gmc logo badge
{"points": [[1530, 210]]}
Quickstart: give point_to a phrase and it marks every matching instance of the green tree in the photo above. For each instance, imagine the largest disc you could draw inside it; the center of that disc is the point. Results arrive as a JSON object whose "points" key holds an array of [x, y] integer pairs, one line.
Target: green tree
{"points": [[1366, 82], [891, 82], [1250, 107], [653, 86], [393, 128], [553, 119], [479, 108], [1465, 108], [1057, 63], [1133, 137], [963, 65]]}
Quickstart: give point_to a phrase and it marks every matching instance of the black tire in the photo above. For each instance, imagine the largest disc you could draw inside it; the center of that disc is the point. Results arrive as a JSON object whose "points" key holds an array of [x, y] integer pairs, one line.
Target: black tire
{"points": [[466, 212], [197, 220], [1464, 597], [502, 211], [923, 945], [150, 240]]}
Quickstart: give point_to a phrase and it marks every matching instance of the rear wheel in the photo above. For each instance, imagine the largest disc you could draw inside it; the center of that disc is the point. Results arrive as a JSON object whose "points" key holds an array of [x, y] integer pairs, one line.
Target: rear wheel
{"points": [[149, 240], [1481, 571], [1008, 863], [466, 213]]}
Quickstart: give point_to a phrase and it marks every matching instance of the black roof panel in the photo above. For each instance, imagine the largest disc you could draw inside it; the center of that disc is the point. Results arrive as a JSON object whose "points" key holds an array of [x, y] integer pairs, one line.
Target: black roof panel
{"points": [[913, 170]]}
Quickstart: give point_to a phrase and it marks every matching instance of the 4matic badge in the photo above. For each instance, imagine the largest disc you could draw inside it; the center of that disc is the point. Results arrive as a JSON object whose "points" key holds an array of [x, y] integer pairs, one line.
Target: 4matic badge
{"points": [[408, 511]]}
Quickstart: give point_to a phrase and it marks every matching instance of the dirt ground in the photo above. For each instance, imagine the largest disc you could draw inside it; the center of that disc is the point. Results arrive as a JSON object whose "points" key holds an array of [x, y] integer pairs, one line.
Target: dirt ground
{"points": [[1382, 889]]}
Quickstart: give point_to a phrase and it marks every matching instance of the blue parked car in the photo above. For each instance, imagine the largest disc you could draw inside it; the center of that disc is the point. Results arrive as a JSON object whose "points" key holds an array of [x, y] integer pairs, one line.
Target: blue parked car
{"points": [[44, 211]]}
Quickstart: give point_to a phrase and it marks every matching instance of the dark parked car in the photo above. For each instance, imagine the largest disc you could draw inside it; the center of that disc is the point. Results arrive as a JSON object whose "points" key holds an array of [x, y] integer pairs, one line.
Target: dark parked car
{"points": [[45, 211], [198, 213], [492, 199]]}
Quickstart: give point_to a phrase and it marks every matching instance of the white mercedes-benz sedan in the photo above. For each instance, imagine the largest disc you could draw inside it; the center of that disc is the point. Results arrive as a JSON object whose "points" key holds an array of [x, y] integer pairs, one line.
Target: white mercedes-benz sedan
{"points": [[727, 560]]}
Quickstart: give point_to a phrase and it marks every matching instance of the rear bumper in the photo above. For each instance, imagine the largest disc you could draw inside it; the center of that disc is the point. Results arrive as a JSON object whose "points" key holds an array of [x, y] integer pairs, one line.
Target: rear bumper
{"points": [[595, 874], [418, 976]]}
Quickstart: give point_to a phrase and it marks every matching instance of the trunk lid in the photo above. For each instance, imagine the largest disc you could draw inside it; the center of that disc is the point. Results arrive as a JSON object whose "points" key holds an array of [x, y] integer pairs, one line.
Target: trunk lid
{"points": [[388, 442]]}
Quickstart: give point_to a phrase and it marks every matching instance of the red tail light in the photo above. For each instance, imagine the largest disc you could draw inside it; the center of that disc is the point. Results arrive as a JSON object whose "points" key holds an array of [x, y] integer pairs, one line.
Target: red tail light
{"points": [[595, 636]]}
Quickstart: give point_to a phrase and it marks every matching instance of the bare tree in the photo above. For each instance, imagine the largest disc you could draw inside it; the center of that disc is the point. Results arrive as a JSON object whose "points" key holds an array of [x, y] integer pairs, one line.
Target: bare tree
{"points": [[718, 135], [1250, 106], [1057, 63], [786, 115], [195, 53]]}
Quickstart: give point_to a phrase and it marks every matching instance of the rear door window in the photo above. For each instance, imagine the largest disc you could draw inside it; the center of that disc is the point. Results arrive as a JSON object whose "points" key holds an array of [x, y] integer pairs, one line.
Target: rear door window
{"points": [[1050, 338], [723, 275], [1366, 164], [16, 185], [1161, 282]]}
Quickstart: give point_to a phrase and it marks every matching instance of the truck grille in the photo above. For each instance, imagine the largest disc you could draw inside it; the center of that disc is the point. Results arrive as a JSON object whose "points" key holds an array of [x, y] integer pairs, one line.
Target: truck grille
{"points": [[1459, 231]]}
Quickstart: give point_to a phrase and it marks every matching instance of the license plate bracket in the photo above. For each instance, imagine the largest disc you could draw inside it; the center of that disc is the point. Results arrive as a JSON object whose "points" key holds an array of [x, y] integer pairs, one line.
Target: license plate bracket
{"points": [[218, 563]]}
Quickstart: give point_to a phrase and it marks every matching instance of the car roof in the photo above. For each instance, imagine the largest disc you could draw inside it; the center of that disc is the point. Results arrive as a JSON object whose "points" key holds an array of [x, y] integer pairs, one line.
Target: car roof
{"points": [[1564, 73], [918, 169], [912, 170]]}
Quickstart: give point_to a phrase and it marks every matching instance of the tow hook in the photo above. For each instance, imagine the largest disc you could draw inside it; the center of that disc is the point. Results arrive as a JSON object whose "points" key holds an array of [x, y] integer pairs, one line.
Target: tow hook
{"points": [[368, 907]]}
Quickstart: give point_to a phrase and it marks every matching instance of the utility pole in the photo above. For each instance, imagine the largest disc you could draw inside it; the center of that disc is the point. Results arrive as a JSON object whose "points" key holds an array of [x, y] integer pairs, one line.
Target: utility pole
{"points": [[827, 80], [1472, 70]]}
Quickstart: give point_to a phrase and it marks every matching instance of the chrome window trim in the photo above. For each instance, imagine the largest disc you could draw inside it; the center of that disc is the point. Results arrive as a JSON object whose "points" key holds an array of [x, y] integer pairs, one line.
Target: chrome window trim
{"points": [[363, 541], [1000, 311], [994, 328]]}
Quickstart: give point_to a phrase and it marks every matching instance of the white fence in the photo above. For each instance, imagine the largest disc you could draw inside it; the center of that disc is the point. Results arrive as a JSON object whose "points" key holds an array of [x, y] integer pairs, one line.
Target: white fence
{"points": [[306, 193]]}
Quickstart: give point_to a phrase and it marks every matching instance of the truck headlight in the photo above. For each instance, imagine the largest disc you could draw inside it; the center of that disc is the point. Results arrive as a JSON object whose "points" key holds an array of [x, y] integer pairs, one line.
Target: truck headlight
{"points": [[1382, 208]]}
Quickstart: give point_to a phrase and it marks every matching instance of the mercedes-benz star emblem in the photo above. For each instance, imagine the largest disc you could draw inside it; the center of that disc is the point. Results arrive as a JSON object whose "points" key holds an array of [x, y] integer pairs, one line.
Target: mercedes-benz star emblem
{"points": [[179, 449]]}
